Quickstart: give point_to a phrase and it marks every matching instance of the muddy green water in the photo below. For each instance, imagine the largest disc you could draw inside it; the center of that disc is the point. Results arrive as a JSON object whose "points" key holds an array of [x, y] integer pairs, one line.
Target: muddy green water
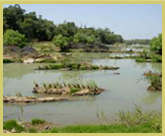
{"points": [[122, 92]]}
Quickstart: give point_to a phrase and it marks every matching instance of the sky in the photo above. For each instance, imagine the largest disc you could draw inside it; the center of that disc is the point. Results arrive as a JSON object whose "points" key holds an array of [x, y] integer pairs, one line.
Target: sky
{"points": [[132, 21]]}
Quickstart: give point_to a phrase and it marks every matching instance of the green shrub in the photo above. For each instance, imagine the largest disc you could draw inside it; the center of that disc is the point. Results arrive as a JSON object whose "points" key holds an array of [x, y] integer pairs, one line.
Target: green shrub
{"points": [[37, 121], [155, 81], [61, 41], [56, 66], [156, 44], [95, 67], [82, 68], [9, 125], [14, 38], [73, 66], [157, 58], [151, 120], [7, 61], [74, 90], [140, 60]]}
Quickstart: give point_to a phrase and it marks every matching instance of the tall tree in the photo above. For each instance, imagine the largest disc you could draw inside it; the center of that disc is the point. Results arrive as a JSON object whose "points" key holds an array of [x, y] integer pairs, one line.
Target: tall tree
{"points": [[13, 16]]}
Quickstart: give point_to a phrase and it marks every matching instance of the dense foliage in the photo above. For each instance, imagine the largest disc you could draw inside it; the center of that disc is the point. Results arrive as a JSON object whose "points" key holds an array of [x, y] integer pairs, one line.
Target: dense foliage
{"points": [[14, 38], [156, 44], [61, 41], [35, 28]]}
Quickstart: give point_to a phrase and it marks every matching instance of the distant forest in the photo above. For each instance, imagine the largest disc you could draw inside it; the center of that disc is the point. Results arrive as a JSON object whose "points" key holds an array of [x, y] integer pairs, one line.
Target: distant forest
{"points": [[35, 28]]}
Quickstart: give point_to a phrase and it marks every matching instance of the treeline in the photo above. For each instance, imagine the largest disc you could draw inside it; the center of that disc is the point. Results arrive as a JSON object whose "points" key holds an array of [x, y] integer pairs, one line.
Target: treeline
{"points": [[35, 28], [137, 41]]}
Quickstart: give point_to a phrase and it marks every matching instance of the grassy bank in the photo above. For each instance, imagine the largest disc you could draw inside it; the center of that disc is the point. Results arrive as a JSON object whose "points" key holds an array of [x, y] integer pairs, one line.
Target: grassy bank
{"points": [[145, 128], [127, 122]]}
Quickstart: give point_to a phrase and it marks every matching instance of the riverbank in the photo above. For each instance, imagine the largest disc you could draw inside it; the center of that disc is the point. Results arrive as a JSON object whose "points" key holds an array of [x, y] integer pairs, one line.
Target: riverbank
{"points": [[127, 122]]}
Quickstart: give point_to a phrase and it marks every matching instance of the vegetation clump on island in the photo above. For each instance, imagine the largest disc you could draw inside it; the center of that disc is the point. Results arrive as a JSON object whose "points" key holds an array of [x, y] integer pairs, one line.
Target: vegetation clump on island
{"points": [[155, 80], [75, 66], [78, 89], [155, 53]]}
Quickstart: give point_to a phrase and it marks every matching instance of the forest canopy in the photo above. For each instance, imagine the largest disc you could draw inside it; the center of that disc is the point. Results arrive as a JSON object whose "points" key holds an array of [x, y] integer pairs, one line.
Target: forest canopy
{"points": [[28, 27], [35, 28]]}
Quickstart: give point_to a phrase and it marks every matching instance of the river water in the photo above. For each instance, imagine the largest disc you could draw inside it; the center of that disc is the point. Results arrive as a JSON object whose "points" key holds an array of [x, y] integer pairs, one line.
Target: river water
{"points": [[123, 91]]}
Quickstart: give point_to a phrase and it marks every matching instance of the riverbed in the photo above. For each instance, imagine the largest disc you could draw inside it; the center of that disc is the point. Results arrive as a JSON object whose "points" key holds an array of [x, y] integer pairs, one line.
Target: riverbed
{"points": [[123, 91]]}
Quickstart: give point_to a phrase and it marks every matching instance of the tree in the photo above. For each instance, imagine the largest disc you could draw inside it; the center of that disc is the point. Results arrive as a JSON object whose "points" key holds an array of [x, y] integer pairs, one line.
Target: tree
{"points": [[13, 16], [5, 26], [28, 28], [61, 41], [66, 29], [83, 36], [36, 28], [156, 44], [14, 38], [108, 37]]}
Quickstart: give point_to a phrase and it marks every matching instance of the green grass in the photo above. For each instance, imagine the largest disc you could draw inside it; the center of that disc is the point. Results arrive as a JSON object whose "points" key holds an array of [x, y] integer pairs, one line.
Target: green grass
{"points": [[74, 87], [43, 46], [117, 128], [75, 66], [37, 121], [140, 60], [9, 125], [127, 122], [74, 90]]}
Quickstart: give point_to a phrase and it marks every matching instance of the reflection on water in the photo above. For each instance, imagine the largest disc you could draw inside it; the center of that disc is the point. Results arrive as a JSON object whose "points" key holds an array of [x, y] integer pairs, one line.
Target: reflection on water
{"points": [[152, 97], [122, 91]]}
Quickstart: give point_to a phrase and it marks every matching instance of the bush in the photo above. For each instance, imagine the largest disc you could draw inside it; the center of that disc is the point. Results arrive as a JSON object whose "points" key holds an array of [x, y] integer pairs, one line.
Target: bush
{"points": [[83, 37], [61, 41], [9, 125], [140, 118], [155, 81], [14, 38], [157, 58], [37, 121], [7, 61], [156, 44], [74, 90], [140, 60]]}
